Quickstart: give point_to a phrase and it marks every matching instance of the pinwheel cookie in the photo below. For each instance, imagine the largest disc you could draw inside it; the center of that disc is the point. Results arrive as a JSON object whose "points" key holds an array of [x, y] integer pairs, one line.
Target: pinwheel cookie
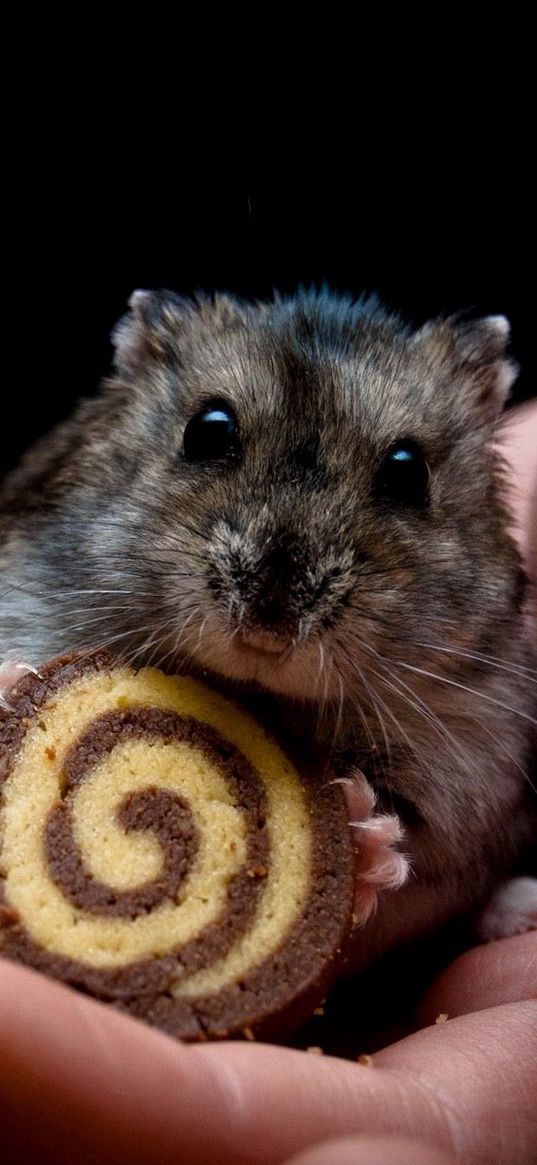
{"points": [[159, 850]]}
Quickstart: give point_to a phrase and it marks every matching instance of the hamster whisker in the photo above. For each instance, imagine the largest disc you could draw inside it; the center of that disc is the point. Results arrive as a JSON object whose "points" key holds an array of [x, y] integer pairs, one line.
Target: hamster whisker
{"points": [[105, 644], [417, 704], [325, 669], [374, 697], [464, 688], [81, 624], [186, 652], [177, 645], [140, 653], [321, 664], [165, 605], [155, 639], [352, 667], [490, 660], [161, 642], [475, 720], [235, 613], [499, 741], [401, 731], [130, 634], [57, 593], [425, 711], [62, 599], [195, 611], [421, 705], [322, 699], [162, 635], [201, 630], [90, 610], [387, 624], [355, 704]]}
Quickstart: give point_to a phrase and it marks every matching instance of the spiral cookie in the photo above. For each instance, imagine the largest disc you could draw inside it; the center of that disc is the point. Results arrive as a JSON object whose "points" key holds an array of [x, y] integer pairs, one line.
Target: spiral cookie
{"points": [[159, 850]]}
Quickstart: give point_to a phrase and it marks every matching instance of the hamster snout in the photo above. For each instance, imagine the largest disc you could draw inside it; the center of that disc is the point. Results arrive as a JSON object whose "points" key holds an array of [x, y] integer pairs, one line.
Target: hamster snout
{"points": [[273, 589]]}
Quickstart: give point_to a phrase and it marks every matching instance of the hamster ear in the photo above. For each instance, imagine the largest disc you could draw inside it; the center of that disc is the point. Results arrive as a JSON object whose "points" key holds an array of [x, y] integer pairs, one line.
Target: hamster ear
{"points": [[147, 332], [481, 348]]}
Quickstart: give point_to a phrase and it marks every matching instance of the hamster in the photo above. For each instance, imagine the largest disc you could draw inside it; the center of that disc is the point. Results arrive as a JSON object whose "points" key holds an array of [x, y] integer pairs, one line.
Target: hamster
{"points": [[299, 499]]}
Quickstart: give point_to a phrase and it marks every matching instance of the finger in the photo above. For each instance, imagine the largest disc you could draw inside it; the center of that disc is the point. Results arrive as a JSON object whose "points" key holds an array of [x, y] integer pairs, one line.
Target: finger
{"points": [[516, 438], [472, 1065], [77, 1074], [496, 973], [373, 1151]]}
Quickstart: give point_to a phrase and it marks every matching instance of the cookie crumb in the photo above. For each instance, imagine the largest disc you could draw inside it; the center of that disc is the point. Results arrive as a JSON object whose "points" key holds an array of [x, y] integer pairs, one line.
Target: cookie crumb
{"points": [[257, 872], [319, 1011], [365, 1060], [442, 1018], [50, 751], [248, 1033], [315, 1051]]}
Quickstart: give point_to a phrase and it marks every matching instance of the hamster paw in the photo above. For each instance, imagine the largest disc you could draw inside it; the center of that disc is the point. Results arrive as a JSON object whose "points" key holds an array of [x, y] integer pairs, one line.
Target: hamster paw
{"points": [[379, 864], [11, 671], [511, 910]]}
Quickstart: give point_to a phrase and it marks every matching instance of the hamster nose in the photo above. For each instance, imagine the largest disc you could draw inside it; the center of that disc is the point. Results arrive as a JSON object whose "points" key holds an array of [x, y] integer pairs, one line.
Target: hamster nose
{"points": [[272, 609], [271, 617]]}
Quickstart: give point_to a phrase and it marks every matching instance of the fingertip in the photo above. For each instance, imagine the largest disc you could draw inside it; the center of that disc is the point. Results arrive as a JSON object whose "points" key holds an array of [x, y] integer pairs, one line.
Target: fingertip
{"points": [[495, 973], [373, 1151]]}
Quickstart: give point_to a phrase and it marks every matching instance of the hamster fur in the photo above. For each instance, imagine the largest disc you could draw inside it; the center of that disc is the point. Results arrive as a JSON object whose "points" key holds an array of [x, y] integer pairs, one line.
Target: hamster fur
{"points": [[393, 635]]}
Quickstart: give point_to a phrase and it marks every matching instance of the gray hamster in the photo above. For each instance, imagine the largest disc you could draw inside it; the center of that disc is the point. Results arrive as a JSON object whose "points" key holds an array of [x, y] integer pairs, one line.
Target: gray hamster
{"points": [[300, 499]]}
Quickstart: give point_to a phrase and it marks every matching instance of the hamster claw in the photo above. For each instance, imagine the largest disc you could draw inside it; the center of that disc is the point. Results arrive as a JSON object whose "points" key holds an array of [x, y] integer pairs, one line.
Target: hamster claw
{"points": [[511, 910], [380, 865], [11, 671]]}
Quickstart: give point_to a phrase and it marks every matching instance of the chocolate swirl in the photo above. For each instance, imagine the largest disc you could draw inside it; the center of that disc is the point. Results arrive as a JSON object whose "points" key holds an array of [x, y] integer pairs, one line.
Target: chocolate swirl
{"points": [[158, 850], [158, 810]]}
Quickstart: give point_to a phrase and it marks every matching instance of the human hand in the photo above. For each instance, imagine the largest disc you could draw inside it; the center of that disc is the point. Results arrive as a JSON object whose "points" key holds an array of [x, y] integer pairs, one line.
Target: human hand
{"points": [[80, 1082]]}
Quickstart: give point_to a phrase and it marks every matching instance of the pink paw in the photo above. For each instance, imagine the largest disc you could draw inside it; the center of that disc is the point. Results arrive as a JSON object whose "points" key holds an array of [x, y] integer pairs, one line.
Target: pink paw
{"points": [[511, 910], [11, 671], [379, 865]]}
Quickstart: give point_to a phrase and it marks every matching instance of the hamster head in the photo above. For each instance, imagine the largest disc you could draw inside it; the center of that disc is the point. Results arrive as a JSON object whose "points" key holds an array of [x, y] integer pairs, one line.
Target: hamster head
{"points": [[290, 492]]}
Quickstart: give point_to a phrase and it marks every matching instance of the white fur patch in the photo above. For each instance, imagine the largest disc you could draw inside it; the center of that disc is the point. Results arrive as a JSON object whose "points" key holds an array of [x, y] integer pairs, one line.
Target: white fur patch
{"points": [[511, 910]]}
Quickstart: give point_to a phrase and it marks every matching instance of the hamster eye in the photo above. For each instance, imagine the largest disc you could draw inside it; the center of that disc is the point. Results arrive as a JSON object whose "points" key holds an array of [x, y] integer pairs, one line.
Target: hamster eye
{"points": [[403, 478], [212, 434]]}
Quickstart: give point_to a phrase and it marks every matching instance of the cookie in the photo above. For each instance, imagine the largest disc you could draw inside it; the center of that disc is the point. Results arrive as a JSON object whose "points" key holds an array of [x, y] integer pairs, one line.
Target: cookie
{"points": [[159, 850]]}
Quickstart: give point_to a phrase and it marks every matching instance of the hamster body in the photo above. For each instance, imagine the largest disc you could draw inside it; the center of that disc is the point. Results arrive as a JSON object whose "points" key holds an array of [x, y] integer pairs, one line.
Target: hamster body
{"points": [[299, 499]]}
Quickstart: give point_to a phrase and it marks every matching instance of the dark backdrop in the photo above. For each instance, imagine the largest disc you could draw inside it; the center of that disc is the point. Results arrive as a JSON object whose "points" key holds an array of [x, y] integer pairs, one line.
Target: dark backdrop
{"points": [[84, 231]]}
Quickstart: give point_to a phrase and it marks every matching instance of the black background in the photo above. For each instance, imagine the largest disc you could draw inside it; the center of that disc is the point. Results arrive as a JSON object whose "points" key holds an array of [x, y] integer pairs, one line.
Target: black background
{"points": [[431, 230]]}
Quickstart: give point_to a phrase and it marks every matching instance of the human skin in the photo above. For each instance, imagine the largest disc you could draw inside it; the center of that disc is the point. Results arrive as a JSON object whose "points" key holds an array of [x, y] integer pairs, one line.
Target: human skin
{"points": [[81, 1083]]}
